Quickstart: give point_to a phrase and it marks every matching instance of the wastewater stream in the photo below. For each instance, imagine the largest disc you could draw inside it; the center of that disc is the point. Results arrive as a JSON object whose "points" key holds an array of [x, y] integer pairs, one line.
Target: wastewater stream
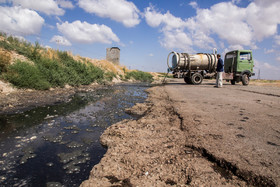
{"points": [[58, 145]]}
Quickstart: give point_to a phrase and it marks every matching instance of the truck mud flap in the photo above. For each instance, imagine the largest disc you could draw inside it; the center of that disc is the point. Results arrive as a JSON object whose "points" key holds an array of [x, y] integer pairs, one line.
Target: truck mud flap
{"points": [[228, 76]]}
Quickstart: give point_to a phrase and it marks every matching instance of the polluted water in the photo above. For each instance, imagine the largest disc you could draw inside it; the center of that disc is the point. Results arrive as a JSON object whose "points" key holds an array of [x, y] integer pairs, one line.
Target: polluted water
{"points": [[58, 145]]}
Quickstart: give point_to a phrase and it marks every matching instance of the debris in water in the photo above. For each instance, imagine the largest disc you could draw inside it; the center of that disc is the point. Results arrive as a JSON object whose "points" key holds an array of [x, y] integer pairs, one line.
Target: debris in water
{"points": [[28, 153], [50, 164], [74, 145], [54, 184]]}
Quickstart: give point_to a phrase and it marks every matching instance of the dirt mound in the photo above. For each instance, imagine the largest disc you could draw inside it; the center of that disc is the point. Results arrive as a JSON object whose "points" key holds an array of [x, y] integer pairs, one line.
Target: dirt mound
{"points": [[6, 88]]}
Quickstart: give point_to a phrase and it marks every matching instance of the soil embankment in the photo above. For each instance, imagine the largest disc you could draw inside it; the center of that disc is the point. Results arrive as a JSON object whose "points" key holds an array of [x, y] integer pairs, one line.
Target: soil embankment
{"points": [[19, 100], [197, 136]]}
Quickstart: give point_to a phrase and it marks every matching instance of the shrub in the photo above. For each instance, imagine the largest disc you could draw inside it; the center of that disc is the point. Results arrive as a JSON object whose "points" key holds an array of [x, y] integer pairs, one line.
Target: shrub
{"points": [[6, 45], [5, 58], [52, 71], [81, 73], [68, 71], [25, 75], [139, 75], [109, 76]]}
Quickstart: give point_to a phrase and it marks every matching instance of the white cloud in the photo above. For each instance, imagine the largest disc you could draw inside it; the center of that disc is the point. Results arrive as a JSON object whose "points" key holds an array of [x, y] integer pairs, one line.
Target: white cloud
{"points": [[172, 28], [118, 10], [263, 17], [236, 1], [20, 21], [237, 26], [277, 39], [60, 40], [203, 41], [278, 59], [2, 1], [167, 20], [268, 51], [271, 67], [176, 39], [193, 4], [65, 4], [227, 21], [20, 38], [267, 70], [83, 32], [49, 7]]}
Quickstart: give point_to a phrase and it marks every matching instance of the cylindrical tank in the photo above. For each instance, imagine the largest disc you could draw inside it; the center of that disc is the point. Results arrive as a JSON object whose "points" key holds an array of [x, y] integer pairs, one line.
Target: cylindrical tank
{"points": [[195, 62]]}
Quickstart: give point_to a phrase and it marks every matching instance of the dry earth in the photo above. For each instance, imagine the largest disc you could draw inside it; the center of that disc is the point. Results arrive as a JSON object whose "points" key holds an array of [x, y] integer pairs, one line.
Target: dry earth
{"points": [[195, 136]]}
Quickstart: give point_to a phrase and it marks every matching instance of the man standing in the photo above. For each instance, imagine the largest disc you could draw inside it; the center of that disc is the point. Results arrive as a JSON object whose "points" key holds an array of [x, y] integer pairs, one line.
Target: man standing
{"points": [[220, 69]]}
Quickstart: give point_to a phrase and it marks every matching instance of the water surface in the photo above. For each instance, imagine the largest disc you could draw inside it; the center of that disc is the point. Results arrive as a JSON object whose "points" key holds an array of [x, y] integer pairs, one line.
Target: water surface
{"points": [[59, 145]]}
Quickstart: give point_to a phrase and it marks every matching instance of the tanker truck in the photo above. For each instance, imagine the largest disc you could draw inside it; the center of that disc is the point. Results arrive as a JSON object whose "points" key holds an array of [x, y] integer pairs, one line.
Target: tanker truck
{"points": [[238, 66]]}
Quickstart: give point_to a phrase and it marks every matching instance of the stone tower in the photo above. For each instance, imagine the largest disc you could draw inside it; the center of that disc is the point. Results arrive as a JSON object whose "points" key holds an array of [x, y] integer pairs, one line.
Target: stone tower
{"points": [[113, 55]]}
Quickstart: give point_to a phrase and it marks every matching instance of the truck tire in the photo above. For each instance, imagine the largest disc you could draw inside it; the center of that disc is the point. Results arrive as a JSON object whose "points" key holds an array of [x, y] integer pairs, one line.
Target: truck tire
{"points": [[187, 80], [245, 79], [232, 82], [196, 78]]}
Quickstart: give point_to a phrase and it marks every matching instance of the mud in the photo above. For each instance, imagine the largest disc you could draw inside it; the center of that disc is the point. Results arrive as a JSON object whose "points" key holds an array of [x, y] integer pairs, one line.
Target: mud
{"points": [[18, 101], [185, 138]]}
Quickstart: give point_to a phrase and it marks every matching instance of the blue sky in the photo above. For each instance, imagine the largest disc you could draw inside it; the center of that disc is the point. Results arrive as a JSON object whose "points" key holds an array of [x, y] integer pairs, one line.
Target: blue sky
{"points": [[147, 30]]}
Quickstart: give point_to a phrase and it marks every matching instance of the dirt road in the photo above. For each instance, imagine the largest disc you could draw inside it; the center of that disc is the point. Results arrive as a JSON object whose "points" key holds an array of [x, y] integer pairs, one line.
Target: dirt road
{"points": [[237, 127], [192, 135]]}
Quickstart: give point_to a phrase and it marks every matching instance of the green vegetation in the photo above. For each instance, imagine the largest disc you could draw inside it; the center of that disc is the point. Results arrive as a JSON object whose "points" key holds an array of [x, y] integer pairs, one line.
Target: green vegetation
{"points": [[52, 69], [139, 76], [46, 73], [20, 46], [25, 75], [109, 76], [4, 61], [169, 75]]}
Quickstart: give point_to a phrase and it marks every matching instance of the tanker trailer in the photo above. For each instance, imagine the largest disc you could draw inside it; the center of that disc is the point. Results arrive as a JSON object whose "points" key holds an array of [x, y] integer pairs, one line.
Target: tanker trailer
{"points": [[193, 67]]}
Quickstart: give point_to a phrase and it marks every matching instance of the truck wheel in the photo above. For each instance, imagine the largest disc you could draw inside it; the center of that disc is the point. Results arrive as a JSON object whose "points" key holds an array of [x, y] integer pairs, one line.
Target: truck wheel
{"points": [[196, 78], [187, 80], [245, 79], [232, 82]]}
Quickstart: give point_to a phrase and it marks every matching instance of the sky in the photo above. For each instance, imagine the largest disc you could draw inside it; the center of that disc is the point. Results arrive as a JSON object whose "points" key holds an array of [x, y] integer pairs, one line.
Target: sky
{"points": [[146, 31]]}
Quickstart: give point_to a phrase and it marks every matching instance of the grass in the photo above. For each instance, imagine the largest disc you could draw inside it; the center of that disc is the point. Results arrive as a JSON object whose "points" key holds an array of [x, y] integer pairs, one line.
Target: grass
{"points": [[51, 68], [169, 75], [265, 81], [139, 76], [262, 82], [5, 58]]}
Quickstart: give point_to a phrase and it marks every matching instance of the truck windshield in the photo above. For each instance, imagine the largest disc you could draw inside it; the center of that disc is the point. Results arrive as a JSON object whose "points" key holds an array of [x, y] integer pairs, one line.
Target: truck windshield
{"points": [[245, 56]]}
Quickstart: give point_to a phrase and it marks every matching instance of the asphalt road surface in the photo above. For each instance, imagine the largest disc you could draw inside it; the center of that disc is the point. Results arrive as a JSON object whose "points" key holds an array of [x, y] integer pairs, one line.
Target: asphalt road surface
{"points": [[237, 127]]}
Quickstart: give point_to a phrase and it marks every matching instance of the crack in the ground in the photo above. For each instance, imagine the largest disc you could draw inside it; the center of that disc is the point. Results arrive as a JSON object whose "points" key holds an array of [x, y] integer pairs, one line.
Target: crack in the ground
{"points": [[268, 94], [226, 168]]}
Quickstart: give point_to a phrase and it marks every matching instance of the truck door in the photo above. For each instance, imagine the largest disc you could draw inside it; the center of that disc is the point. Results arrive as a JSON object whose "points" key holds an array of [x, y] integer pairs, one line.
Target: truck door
{"points": [[230, 62], [245, 61]]}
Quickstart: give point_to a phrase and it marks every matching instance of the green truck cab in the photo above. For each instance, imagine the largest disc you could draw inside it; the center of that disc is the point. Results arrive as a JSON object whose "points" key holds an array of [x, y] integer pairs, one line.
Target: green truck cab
{"points": [[238, 66]]}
